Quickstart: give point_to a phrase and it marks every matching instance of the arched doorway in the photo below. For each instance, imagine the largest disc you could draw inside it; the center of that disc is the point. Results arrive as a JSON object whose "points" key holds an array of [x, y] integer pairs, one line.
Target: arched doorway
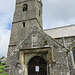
{"points": [[37, 66]]}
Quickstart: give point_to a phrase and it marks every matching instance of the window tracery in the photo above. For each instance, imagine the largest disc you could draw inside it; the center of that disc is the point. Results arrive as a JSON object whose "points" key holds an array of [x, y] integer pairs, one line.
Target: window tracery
{"points": [[25, 7]]}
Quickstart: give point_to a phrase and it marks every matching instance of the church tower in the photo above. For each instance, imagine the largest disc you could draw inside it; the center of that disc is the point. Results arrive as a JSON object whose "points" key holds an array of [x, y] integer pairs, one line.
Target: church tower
{"points": [[28, 13]]}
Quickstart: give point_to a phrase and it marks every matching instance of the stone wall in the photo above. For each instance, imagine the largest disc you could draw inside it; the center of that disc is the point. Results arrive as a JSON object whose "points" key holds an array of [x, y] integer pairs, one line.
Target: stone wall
{"points": [[66, 41]]}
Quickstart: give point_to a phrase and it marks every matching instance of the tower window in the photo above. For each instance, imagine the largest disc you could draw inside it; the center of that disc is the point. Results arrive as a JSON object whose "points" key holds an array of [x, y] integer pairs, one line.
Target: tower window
{"points": [[23, 24], [73, 50], [39, 12], [25, 7]]}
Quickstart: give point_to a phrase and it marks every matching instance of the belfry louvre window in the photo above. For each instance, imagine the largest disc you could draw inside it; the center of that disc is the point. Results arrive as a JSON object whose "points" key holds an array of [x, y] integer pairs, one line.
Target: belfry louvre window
{"points": [[25, 7], [73, 50]]}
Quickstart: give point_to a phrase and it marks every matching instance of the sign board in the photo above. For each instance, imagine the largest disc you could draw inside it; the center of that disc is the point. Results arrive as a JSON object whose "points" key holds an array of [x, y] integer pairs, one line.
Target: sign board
{"points": [[37, 68], [20, 71]]}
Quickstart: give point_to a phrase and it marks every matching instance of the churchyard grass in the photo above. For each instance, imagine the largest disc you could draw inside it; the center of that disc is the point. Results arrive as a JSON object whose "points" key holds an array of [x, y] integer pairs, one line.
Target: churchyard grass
{"points": [[3, 73]]}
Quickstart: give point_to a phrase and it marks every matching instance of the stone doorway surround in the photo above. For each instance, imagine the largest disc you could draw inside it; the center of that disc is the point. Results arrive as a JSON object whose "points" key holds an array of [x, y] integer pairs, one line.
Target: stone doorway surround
{"points": [[27, 53]]}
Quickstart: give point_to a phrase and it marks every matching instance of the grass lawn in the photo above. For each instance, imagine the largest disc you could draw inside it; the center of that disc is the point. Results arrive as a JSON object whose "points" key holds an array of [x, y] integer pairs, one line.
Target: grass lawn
{"points": [[3, 73]]}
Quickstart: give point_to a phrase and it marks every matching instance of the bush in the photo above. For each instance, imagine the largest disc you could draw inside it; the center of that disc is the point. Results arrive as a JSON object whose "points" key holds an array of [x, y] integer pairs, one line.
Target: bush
{"points": [[3, 63], [2, 67], [1, 70]]}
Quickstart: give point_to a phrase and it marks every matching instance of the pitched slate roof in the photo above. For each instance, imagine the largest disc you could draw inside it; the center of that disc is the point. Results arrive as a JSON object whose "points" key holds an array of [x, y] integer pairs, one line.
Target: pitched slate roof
{"points": [[65, 31]]}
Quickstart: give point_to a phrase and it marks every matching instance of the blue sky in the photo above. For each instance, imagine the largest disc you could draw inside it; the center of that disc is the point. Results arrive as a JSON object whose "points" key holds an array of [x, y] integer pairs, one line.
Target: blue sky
{"points": [[56, 13]]}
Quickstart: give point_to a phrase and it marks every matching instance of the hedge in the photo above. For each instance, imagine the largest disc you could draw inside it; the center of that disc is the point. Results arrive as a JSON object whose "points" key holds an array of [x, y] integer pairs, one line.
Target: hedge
{"points": [[1, 70], [2, 67], [3, 63]]}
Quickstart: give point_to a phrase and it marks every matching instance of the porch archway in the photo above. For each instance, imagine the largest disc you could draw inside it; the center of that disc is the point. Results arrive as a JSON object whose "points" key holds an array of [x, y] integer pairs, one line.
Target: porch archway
{"points": [[37, 66]]}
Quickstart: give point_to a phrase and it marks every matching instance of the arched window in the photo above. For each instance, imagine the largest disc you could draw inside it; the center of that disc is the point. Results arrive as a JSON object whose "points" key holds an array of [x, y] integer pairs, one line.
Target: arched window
{"points": [[73, 50], [25, 7]]}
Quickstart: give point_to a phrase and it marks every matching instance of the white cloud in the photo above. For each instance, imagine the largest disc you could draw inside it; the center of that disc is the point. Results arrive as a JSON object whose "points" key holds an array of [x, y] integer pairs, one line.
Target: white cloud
{"points": [[4, 41], [6, 15], [58, 13], [7, 6]]}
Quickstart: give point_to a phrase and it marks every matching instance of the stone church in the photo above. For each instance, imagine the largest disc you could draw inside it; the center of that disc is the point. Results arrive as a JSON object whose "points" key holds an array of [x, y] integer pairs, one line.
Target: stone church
{"points": [[34, 51]]}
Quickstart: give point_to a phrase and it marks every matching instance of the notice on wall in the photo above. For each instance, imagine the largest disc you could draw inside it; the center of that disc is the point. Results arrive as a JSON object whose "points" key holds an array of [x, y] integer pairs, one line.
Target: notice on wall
{"points": [[37, 68], [20, 71]]}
